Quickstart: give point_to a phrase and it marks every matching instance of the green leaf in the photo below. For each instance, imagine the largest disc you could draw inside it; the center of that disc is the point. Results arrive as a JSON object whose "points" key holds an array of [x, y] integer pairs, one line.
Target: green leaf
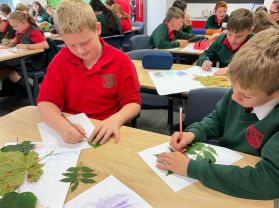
{"points": [[69, 180], [86, 169], [74, 186], [198, 146], [169, 172], [73, 169], [24, 147], [190, 151], [94, 145], [87, 180], [199, 157], [71, 174], [15, 166], [156, 155], [17, 200], [88, 175], [212, 150], [209, 156]]}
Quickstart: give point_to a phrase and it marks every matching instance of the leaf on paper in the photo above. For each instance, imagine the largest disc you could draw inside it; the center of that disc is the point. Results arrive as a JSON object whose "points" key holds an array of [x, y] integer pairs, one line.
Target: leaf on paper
{"points": [[18, 200], [24, 147], [94, 145]]}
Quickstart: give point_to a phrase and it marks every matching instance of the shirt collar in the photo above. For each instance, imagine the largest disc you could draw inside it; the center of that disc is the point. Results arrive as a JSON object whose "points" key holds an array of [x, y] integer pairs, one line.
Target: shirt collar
{"points": [[263, 110], [228, 45], [216, 21], [7, 26], [25, 31], [171, 34]]}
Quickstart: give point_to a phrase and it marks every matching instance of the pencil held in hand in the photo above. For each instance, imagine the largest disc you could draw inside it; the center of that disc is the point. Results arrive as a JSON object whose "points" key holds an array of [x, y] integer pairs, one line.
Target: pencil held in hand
{"points": [[75, 126]]}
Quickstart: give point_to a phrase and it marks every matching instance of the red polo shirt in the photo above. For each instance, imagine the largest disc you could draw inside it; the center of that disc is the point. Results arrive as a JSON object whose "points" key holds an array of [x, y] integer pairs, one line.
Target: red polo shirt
{"points": [[99, 92], [126, 24], [36, 36]]}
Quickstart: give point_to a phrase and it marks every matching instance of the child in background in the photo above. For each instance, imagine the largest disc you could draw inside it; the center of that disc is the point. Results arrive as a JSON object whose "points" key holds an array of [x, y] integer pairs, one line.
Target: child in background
{"points": [[28, 36], [87, 76], [222, 50], [216, 22], [168, 33], [109, 3], [5, 11], [124, 17], [6, 31], [39, 12], [109, 21], [50, 12], [254, 75], [187, 24], [274, 11], [263, 21], [22, 7]]}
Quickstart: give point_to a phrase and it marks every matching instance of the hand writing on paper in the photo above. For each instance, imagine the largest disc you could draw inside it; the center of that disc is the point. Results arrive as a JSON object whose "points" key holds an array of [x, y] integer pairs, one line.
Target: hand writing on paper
{"points": [[221, 71], [206, 65], [106, 128], [73, 133], [182, 43], [178, 144], [22, 46], [173, 161]]}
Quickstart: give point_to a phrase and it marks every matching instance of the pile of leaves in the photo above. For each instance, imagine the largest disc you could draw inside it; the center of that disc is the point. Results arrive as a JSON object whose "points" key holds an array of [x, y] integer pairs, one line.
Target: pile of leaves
{"points": [[218, 81]]}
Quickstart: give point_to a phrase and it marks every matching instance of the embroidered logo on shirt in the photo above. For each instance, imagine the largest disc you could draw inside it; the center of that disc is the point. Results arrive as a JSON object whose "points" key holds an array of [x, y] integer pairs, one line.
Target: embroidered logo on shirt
{"points": [[254, 137], [108, 80]]}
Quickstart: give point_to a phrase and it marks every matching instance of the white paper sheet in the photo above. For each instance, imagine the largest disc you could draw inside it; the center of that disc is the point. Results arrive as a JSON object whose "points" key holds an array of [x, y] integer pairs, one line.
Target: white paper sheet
{"points": [[15, 49], [50, 192], [108, 193], [5, 52], [55, 142], [178, 81], [177, 182], [190, 49]]}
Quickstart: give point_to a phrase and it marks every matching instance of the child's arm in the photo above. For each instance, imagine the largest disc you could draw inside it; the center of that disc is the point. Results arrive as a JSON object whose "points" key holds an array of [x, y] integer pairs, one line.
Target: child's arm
{"points": [[178, 144], [51, 115], [9, 42], [209, 54], [41, 45], [111, 125]]}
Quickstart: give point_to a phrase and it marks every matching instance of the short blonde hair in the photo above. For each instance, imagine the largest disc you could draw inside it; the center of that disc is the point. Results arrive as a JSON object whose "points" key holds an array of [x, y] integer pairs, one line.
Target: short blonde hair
{"points": [[72, 16], [262, 21], [220, 4], [174, 12], [255, 65]]}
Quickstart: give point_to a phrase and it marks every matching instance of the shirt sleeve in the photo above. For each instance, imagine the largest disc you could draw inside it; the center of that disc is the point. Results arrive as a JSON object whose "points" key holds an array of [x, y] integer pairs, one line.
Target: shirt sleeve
{"points": [[129, 90], [36, 36]]}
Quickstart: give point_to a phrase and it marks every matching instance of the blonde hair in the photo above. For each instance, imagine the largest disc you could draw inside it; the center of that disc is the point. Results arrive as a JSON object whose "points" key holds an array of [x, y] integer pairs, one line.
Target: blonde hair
{"points": [[255, 65], [117, 9], [174, 12], [262, 21], [240, 20], [73, 15], [22, 7], [220, 4], [22, 16]]}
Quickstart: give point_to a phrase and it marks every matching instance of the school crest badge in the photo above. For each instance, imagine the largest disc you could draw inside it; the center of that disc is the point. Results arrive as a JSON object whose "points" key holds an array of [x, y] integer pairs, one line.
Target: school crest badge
{"points": [[254, 137], [108, 80]]}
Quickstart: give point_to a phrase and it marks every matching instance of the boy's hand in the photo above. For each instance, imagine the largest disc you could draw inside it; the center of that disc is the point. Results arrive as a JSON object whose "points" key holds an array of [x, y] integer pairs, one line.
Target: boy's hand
{"points": [[221, 71], [73, 133], [22, 46], [206, 65], [178, 144], [103, 132], [173, 161], [182, 43]]}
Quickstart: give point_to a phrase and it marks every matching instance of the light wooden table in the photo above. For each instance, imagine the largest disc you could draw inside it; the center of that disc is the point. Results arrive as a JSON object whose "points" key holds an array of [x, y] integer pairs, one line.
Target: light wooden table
{"points": [[21, 55], [180, 51], [122, 161]]}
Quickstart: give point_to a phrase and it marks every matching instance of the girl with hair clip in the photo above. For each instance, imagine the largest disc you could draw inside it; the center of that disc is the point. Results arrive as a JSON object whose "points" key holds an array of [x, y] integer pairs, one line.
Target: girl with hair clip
{"points": [[39, 12], [124, 17], [109, 21], [28, 36]]}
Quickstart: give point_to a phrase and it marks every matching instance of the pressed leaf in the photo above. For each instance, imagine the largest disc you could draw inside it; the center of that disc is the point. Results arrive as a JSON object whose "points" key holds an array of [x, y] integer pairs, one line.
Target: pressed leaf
{"points": [[190, 151], [24, 147], [87, 180], [74, 186], [71, 174], [212, 150], [94, 145], [209, 156], [15, 166], [73, 169], [86, 169], [169, 172], [88, 175], [156, 155], [199, 157], [69, 180], [198, 146], [17, 200]]}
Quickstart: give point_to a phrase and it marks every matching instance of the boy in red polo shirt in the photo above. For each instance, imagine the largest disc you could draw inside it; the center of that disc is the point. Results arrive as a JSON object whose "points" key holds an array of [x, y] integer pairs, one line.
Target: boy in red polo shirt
{"points": [[87, 76], [222, 50]]}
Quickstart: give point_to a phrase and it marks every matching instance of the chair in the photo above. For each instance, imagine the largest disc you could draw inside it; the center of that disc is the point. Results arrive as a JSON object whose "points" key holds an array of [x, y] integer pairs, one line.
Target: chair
{"points": [[115, 41], [140, 25], [140, 42], [127, 41], [153, 101], [276, 203]]}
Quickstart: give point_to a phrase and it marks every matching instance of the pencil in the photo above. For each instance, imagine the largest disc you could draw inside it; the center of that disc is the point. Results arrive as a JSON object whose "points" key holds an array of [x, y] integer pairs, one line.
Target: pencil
{"points": [[74, 126], [180, 124]]}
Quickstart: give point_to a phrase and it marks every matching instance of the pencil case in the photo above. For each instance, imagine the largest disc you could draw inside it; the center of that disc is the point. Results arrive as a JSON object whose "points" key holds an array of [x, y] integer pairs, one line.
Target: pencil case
{"points": [[157, 60]]}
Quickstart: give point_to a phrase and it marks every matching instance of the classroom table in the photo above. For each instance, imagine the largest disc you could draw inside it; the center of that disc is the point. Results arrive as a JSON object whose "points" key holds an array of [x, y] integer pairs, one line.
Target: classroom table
{"points": [[21, 55], [122, 161]]}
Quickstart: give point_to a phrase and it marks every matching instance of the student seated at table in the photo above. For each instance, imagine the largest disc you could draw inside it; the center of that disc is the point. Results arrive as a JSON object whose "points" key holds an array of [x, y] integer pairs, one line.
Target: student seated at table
{"points": [[110, 22], [22, 7], [28, 36], [245, 120], [263, 21], [227, 44], [168, 33], [187, 24], [50, 12], [87, 76], [124, 17], [215, 23], [39, 12], [6, 31], [5, 10]]}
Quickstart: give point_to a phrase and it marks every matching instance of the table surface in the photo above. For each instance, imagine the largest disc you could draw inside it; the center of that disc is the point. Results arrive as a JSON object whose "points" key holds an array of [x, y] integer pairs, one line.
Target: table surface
{"points": [[19, 54]]}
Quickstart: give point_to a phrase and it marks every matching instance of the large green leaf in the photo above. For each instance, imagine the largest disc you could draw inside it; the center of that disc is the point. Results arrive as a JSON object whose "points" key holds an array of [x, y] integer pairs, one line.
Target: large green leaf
{"points": [[15, 166], [24, 147], [17, 200]]}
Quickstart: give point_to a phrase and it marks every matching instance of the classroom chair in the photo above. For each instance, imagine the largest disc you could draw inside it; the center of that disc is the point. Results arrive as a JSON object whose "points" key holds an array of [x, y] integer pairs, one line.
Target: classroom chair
{"points": [[276, 203], [127, 40], [115, 40], [153, 101], [140, 42], [140, 25]]}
